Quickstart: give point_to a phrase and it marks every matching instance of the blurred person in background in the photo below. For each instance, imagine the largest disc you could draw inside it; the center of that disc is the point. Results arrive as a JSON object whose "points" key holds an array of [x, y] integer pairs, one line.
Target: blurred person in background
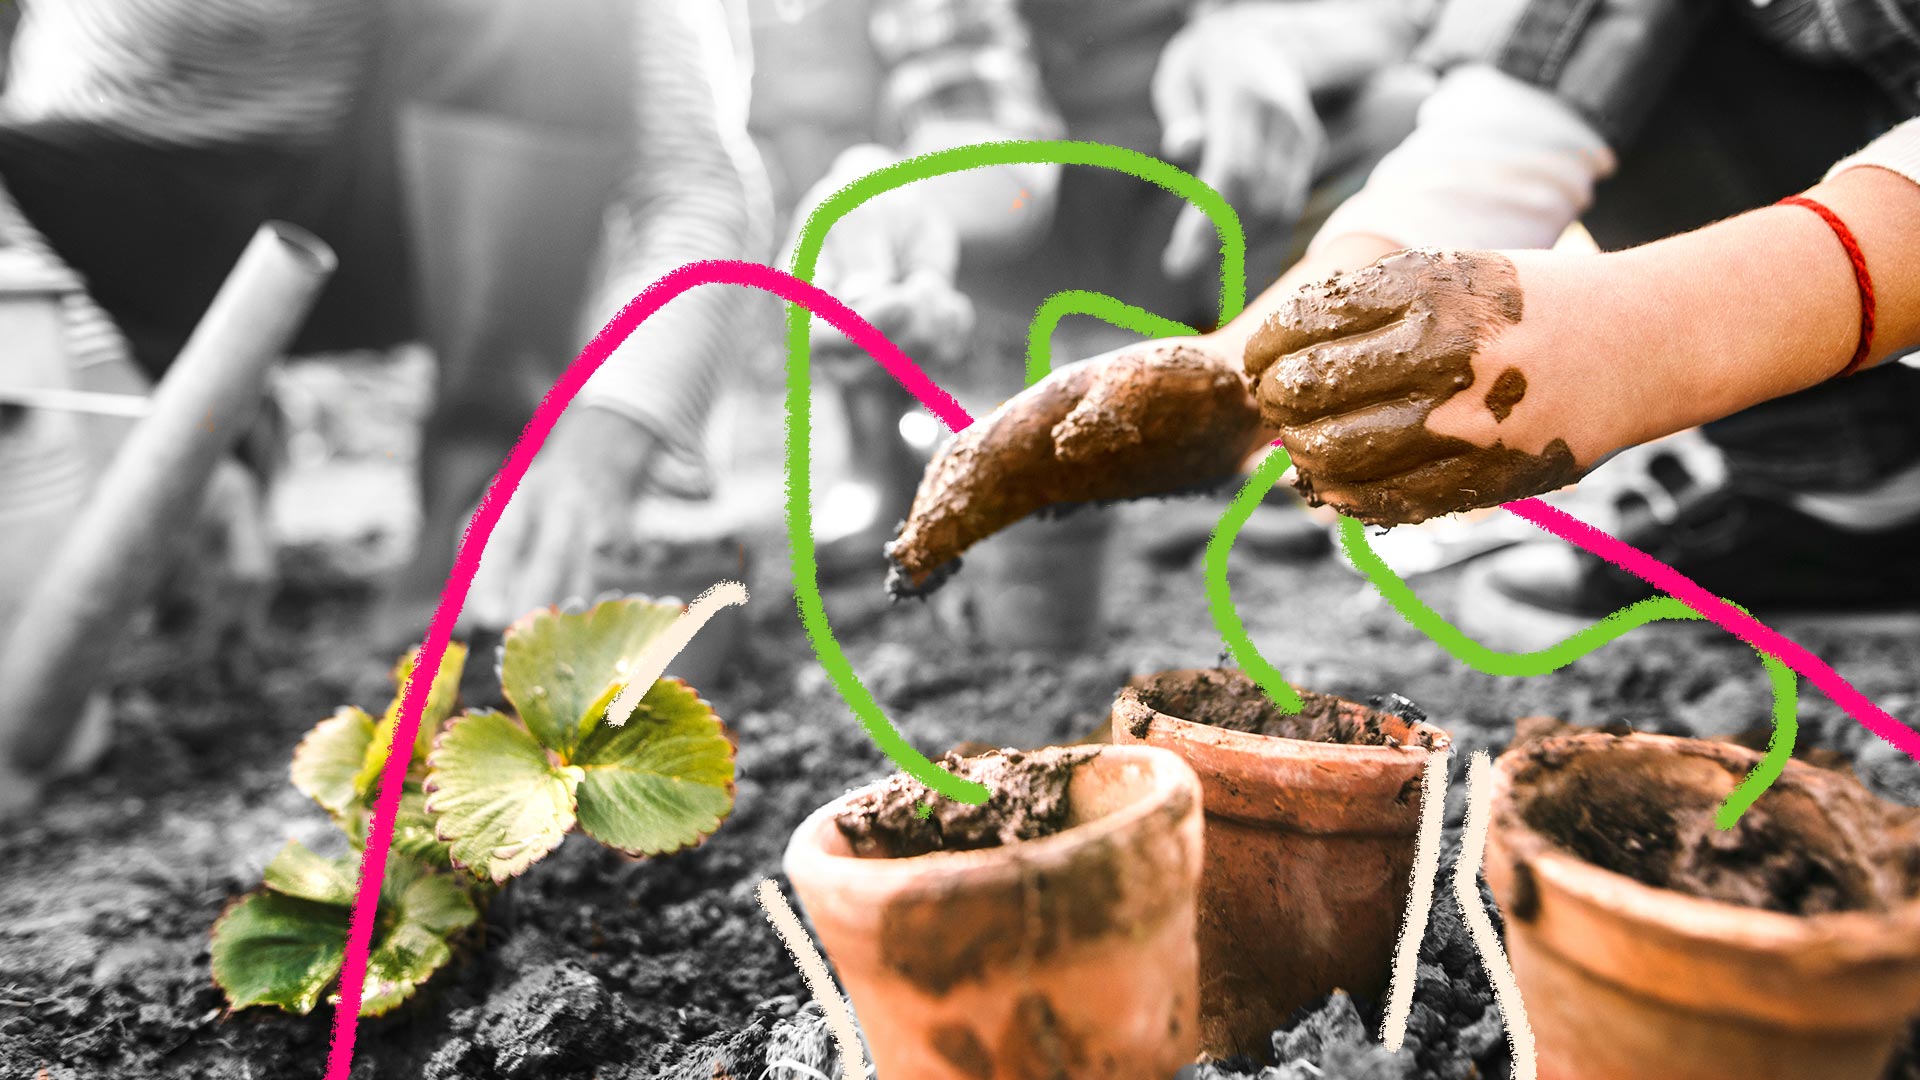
{"points": [[1280, 104], [472, 153]]}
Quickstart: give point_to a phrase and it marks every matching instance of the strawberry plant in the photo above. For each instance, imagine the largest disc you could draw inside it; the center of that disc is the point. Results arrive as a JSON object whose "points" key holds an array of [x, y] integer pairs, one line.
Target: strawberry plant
{"points": [[485, 796]]}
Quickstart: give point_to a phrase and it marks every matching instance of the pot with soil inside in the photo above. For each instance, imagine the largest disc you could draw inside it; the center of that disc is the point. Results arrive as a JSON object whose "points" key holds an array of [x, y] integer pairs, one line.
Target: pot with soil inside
{"points": [[1311, 823], [1647, 942], [1048, 932]]}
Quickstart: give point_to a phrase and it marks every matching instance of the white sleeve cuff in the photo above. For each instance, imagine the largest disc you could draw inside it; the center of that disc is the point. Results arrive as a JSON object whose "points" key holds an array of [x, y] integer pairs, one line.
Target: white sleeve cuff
{"points": [[1896, 151], [1494, 162]]}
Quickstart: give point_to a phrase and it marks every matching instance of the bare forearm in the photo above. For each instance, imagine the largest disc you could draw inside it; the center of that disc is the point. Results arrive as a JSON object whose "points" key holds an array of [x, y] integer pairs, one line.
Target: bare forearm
{"points": [[1764, 304]]}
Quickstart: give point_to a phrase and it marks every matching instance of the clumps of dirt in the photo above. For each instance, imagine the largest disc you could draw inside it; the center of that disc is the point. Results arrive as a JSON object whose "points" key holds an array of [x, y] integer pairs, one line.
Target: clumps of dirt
{"points": [[1224, 698], [1817, 844], [903, 818], [1755, 864], [782, 1040], [555, 1017]]}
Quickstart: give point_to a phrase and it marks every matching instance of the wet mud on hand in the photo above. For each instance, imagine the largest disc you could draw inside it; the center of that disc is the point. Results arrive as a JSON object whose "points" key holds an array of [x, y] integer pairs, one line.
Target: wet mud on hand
{"points": [[1350, 369]]}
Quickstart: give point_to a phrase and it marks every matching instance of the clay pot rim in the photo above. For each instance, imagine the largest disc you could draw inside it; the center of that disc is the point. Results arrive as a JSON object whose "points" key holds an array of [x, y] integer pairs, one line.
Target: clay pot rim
{"points": [[942, 871], [1130, 704], [1672, 915]]}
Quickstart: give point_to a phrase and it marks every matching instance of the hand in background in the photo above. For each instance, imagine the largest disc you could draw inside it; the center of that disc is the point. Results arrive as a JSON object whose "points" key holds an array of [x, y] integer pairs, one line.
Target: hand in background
{"points": [[576, 499], [893, 261], [1232, 94]]}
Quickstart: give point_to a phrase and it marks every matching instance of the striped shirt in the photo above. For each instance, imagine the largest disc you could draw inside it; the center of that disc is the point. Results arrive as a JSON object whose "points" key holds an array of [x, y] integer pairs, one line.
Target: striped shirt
{"points": [[210, 74], [189, 72]]}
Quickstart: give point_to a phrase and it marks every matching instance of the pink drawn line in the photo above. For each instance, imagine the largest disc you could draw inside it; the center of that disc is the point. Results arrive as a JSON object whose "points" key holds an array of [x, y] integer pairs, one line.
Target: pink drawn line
{"points": [[1722, 614], [346, 1017], [791, 289]]}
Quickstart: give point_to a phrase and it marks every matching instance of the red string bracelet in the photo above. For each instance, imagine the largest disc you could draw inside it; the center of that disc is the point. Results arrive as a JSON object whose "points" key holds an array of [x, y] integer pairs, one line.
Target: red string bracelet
{"points": [[1860, 276]]}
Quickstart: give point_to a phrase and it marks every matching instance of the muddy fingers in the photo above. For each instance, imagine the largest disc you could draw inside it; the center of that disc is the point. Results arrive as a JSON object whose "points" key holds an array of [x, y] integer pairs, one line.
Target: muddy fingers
{"points": [[1352, 371]]}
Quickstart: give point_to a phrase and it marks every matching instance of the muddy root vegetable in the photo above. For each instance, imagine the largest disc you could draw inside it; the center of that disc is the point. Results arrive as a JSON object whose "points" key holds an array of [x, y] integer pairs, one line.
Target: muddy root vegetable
{"points": [[1152, 420]]}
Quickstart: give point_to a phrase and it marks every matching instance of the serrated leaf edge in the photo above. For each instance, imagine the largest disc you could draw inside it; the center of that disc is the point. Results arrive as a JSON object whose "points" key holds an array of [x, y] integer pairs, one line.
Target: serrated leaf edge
{"points": [[231, 1008], [427, 788], [733, 785]]}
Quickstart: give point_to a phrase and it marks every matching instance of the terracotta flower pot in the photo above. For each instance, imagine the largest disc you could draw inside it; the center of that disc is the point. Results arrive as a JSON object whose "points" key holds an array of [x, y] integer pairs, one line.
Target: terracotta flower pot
{"points": [[1068, 955], [1623, 980], [1309, 856]]}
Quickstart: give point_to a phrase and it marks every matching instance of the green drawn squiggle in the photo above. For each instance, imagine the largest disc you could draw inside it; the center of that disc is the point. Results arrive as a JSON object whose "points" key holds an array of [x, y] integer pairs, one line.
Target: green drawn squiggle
{"points": [[1353, 538], [1218, 590], [806, 257], [1106, 308]]}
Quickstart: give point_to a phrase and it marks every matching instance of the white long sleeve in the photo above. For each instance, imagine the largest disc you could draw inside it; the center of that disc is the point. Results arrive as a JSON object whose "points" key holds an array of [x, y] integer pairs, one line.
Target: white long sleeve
{"points": [[1494, 162]]}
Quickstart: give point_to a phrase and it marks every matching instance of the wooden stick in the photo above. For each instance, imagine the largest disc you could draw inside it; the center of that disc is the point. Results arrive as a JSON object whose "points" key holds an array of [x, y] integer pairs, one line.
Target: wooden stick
{"points": [[117, 549]]}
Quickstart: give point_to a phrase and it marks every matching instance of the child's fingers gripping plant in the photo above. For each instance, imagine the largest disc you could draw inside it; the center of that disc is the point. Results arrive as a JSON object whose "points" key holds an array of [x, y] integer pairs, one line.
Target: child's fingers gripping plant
{"points": [[487, 792]]}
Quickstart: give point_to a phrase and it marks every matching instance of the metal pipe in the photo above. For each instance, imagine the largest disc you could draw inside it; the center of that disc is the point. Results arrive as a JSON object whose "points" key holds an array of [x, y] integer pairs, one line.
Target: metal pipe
{"points": [[115, 552]]}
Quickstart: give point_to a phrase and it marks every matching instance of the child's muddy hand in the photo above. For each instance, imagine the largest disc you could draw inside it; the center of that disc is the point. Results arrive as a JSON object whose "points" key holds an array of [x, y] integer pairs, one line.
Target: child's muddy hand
{"points": [[1147, 420], [1357, 373]]}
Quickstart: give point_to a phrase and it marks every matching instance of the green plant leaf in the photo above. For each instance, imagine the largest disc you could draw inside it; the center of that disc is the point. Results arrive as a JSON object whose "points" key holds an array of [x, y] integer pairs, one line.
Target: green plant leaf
{"points": [[498, 800], [270, 949], [441, 697], [284, 945], [436, 901], [299, 873], [662, 782], [427, 908], [397, 966], [413, 828], [558, 669], [328, 761]]}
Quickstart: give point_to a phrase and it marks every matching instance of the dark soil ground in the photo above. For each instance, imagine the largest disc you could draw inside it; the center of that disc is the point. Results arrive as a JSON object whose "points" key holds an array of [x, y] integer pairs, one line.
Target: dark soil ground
{"points": [[596, 966]]}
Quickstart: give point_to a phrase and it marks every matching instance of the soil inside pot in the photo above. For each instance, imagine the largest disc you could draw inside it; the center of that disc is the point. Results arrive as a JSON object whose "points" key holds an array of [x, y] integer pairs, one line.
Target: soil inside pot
{"points": [[903, 818], [1633, 821], [1228, 699]]}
